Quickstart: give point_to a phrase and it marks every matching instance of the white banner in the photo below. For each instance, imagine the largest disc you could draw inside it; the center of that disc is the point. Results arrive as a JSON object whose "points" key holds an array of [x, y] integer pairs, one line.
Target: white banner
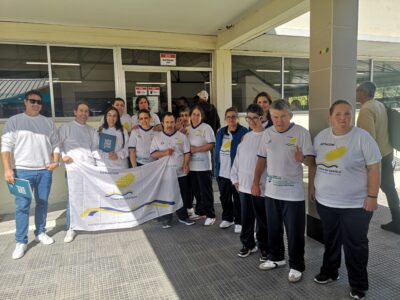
{"points": [[102, 198]]}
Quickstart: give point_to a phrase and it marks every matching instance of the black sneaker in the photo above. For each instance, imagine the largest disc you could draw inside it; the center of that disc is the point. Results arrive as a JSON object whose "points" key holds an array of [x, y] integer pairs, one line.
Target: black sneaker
{"points": [[392, 227], [264, 256], [357, 294], [244, 252], [323, 278], [186, 221]]}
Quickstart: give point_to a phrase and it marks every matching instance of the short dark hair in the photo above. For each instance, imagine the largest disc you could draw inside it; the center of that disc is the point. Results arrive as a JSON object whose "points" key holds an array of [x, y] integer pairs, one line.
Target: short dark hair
{"points": [[336, 103], [184, 109], [32, 92], [81, 103], [117, 99], [200, 109], [167, 114], [138, 100], [231, 109], [255, 109], [368, 88], [143, 111], [263, 94], [280, 104]]}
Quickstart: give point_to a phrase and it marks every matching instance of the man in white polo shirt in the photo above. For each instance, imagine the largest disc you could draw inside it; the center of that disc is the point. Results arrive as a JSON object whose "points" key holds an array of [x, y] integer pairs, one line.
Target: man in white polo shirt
{"points": [[29, 150], [283, 149]]}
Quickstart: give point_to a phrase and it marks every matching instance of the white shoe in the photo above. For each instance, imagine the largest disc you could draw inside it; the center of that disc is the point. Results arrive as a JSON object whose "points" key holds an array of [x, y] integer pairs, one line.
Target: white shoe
{"points": [[190, 211], [44, 239], [209, 221], [69, 237], [238, 228], [19, 250], [294, 275], [194, 217], [225, 224], [269, 264]]}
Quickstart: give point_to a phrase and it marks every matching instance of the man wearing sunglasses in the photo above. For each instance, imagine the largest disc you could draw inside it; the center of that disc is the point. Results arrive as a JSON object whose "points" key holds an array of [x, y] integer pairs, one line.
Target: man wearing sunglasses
{"points": [[29, 150]]}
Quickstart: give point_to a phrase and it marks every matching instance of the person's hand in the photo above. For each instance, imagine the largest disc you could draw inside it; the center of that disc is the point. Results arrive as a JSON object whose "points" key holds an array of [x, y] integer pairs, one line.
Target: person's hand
{"points": [[193, 149], [9, 176], [185, 169], [135, 126], [170, 151], [237, 186], [298, 154], [112, 155], [68, 160], [311, 193], [157, 127], [183, 130], [370, 204], [255, 190], [52, 166]]}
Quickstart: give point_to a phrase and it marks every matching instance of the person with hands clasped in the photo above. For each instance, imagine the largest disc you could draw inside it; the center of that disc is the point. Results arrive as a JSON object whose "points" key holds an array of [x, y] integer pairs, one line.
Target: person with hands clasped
{"points": [[345, 185], [284, 147]]}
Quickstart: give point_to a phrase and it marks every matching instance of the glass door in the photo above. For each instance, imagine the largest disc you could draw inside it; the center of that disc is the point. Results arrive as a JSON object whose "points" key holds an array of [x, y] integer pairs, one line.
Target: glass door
{"points": [[153, 85]]}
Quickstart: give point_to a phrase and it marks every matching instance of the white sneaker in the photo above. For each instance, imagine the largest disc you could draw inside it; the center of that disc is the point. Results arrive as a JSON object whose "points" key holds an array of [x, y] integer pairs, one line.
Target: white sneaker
{"points": [[69, 237], [209, 221], [269, 264], [194, 217], [238, 228], [294, 275], [190, 211], [19, 250], [225, 224], [44, 239]]}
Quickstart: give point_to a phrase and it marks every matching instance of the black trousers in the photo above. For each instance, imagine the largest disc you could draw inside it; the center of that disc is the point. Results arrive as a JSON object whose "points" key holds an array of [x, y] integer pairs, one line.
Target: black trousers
{"points": [[201, 183], [182, 212], [292, 214], [347, 227], [253, 209], [230, 201], [389, 188]]}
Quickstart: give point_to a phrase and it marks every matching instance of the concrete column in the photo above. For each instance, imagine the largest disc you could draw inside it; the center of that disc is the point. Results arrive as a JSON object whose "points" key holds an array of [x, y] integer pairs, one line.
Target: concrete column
{"points": [[221, 89], [333, 65]]}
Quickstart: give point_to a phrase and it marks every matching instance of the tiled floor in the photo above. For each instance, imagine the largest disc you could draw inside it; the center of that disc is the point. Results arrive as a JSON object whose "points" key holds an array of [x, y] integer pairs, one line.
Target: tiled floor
{"points": [[184, 262]]}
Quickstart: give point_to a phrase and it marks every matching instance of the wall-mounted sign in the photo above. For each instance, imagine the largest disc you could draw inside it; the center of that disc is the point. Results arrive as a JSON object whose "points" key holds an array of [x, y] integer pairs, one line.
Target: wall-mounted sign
{"points": [[167, 59], [141, 90], [153, 91]]}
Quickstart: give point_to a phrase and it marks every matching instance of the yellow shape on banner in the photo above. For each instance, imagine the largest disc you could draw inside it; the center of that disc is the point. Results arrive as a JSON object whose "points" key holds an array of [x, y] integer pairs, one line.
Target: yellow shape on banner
{"points": [[335, 154], [125, 180]]}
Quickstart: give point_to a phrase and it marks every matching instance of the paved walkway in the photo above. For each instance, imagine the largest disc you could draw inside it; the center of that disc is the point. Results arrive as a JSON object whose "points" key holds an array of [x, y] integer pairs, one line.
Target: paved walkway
{"points": [[179, 263]]}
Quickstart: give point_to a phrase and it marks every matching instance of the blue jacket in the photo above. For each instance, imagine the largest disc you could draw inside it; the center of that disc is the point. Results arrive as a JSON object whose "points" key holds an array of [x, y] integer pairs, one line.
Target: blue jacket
{"points": [[237, 138]]}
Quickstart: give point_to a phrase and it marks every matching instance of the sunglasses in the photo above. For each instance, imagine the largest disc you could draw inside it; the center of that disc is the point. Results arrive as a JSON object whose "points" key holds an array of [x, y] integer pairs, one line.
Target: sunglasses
{"points": [[33, 101]]}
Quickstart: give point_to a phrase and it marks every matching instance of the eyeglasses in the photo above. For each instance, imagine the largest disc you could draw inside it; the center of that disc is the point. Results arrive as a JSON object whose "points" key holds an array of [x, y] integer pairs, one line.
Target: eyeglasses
{"points": [[230, 117], [34, 101], [254, 119]]}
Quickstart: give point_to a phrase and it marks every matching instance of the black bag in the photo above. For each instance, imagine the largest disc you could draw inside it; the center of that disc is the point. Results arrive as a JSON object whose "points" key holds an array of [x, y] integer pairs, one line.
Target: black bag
{"points": [[394, 127]]}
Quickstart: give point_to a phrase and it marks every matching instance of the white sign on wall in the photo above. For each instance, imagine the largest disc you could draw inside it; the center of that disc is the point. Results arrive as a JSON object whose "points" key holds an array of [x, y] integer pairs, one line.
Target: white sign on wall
{"points": [[167, 59], [141, 90], [153, 91]]}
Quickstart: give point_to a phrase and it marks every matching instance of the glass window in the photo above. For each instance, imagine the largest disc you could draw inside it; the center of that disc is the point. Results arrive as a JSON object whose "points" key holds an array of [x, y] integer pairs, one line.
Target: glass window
{"points": [[152, 58], [22, 68], [296, 83], [387, 80], [82, 74], [252, 75]]}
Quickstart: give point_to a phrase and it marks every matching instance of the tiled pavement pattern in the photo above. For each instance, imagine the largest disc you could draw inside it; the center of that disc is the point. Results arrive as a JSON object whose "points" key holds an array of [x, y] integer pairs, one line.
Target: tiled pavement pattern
{"points": [[184, 262]]}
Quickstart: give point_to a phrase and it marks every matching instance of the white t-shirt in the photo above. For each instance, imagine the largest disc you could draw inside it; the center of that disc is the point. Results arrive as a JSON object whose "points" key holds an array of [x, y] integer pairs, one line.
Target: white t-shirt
{"points": [[200, 135], [31, 141], [140, 140], [154, 119], [126, 122], [341, 177], [177, 141], [121, 149], [78, 141], [245, 163], [225, 156], [285, 175]]}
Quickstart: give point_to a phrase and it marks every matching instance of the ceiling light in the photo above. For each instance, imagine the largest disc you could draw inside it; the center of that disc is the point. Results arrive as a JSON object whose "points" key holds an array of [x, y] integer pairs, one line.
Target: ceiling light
{"points": [[66, 81], [53, 64], [271, 71], [158, 83]]}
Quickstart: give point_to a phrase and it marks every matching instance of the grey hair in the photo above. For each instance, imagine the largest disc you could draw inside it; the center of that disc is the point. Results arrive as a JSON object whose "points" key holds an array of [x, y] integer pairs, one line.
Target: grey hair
{"points": [[280, 104], [368, 88]]}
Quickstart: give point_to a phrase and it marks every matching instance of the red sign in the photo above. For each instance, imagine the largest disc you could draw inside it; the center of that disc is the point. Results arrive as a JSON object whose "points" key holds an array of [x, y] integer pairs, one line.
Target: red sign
{"points": [[167, 59]]}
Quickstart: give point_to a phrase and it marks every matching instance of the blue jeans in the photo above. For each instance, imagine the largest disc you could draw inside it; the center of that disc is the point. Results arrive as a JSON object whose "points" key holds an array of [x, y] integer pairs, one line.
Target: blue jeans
{"points": [[40, 181]]}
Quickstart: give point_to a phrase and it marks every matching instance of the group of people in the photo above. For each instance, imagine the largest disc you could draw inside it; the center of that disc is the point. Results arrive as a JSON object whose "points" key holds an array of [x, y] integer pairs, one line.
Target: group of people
{"points": [[259, 172]]}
